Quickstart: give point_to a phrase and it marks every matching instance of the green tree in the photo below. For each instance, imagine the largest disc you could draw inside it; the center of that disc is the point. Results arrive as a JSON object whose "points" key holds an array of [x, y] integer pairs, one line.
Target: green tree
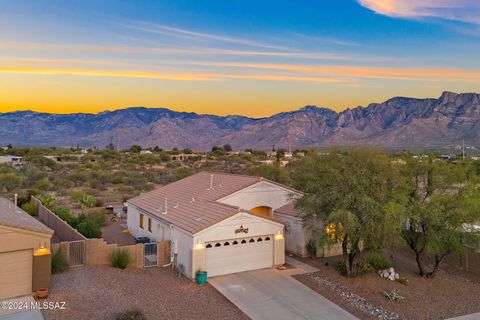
{"points": [[135, 148], [353, 198], [443, 204], [10, 180], [87, 201]]}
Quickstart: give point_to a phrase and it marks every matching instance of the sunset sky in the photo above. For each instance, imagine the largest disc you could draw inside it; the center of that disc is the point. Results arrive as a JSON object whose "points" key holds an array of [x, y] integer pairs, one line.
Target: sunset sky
{"points": [[254, 58]]}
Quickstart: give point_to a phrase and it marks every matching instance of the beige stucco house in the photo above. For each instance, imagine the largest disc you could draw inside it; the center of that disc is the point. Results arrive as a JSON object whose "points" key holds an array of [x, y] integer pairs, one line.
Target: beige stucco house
{"points": [[24, 252], [220, 223]]}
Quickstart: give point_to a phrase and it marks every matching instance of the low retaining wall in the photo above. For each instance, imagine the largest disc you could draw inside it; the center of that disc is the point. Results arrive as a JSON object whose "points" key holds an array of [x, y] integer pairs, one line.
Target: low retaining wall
{"points": [[62, 229]]}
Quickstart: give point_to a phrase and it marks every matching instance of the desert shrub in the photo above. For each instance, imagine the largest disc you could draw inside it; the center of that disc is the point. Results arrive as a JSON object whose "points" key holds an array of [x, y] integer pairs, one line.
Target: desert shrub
{"points": [[43, 185], [393, 295], [341, 267], [120, 258], [131, 315], [66, 215], [364, 267], [379, 262], [59, 262], [47, 201], [89, 228], [30, 208], [97, 215], [403, 280]]}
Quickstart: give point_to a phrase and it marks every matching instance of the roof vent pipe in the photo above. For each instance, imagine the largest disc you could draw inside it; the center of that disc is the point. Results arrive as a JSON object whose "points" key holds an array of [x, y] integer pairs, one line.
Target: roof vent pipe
{"points": [[166, 206], [211, 182]]}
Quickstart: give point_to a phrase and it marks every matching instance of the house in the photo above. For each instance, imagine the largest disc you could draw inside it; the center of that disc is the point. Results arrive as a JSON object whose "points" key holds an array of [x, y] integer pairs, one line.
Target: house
{"points": [[54, 158], [145, 152], [12, 160], [25, 260], [220, 223], [185, 156]]}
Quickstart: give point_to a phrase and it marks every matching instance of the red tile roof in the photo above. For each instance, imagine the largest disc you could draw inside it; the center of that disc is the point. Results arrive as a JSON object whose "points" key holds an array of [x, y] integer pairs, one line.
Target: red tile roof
{"points": [[191, 202]]}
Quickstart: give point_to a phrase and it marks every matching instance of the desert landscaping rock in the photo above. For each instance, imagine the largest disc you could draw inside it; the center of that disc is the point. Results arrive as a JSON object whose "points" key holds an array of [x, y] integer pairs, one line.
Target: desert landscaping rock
{"points": [[354, 299]]}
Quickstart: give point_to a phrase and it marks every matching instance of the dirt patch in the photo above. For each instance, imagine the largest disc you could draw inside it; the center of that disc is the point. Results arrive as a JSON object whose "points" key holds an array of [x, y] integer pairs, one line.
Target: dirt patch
{"points": [[101, 292], [447, 295]]}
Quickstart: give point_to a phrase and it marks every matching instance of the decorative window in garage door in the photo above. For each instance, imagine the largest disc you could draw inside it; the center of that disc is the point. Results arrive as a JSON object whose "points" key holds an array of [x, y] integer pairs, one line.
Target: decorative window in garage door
{"points": [[242, 241]]}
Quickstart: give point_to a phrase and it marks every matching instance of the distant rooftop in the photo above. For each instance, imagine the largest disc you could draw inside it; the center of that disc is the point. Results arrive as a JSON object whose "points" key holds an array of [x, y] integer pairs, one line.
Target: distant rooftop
{"points": [[11, 216]]}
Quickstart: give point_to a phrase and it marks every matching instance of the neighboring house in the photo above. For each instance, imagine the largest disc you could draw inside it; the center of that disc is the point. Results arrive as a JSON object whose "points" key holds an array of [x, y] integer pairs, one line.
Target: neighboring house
{"points": [[185, 156], [12, 160], [220, 223], [145, 152], [25, 261]]}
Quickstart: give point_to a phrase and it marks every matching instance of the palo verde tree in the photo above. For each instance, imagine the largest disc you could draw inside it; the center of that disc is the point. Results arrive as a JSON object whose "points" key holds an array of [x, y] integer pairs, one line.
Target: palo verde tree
{"points": [[353, 197], [443, 205]]}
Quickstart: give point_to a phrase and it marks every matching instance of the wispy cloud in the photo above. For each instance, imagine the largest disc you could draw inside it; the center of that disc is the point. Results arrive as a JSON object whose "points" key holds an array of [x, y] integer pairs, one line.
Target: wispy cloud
{"points": [[154, 50], [459, 10], [176, 32]]}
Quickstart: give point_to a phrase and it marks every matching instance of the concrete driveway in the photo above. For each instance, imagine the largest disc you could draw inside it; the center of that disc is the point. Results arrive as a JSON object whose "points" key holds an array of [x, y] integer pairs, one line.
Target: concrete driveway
{"points": [[8, 314], [273, 294]]}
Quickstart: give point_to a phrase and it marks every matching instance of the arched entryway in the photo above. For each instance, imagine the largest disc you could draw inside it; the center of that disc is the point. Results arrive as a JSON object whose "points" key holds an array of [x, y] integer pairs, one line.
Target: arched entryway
{"points": [[263, 211]]}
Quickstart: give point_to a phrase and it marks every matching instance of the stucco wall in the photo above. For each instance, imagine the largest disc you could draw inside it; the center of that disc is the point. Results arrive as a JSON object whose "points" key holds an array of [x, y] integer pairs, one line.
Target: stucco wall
{"points": [[296, 237], [260, 194], [12, 239], [158, 234]]}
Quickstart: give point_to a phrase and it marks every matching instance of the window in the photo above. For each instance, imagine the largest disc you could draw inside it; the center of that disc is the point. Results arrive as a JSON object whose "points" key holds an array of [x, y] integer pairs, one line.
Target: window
{"points": [[141, 221], [149, 224], [259, 239], [209, 245], [235, 242], [226, 243], [331, 230], [243, 241], [251, 240], [218, 244], [267, 239]]}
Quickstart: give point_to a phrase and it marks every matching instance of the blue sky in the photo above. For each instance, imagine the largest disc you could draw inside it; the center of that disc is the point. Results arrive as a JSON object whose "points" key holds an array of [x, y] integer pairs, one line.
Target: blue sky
{"points": [[245, 57]]}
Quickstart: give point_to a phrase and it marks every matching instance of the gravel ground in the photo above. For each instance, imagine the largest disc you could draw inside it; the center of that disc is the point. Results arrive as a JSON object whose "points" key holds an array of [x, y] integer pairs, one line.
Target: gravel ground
{"points": [[445, 296], [101, 292]]}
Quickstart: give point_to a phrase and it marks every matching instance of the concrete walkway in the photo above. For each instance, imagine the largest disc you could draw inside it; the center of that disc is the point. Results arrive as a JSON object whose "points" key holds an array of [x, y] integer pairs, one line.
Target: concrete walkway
{"points": [[473, 316], [273, 294], [9, 314]]}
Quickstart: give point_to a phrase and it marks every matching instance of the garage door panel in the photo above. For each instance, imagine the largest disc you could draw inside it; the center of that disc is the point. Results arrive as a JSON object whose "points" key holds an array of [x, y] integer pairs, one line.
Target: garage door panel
{"points": [[16, 273], [240, 257]]}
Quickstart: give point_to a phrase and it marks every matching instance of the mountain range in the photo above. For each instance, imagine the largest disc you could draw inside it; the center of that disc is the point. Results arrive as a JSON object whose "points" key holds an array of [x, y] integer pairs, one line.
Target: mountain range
{"points": [[397, 123]]}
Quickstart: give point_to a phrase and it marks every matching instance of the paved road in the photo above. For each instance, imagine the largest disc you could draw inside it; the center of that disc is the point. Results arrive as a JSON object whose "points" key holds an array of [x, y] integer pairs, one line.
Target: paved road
{"points": [[273, 294]]}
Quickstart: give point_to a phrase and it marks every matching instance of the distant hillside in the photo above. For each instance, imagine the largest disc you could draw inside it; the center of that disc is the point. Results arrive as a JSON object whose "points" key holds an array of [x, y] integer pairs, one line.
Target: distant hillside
{"points": [[397, 123]]}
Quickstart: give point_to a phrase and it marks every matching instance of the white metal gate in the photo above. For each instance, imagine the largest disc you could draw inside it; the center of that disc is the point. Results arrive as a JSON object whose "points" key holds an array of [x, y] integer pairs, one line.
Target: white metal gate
{"points": [[150, 255]]}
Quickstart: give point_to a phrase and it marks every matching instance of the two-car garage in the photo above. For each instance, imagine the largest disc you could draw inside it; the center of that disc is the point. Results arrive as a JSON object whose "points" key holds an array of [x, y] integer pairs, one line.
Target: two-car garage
{"points": [[237, 255]]}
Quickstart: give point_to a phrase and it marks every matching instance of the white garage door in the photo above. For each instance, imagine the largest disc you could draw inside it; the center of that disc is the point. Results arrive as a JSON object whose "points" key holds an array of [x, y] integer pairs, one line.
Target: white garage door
{"points": [[16, 273], [237, 255]]}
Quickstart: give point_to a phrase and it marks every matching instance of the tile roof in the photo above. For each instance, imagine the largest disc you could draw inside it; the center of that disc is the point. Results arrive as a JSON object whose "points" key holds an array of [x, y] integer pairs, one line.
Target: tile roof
{"points": [[11, 216], [288, 209], [191, 202]]}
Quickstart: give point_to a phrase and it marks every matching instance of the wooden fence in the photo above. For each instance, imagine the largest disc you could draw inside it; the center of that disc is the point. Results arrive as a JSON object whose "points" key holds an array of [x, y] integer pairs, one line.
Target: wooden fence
{"points": [[62, 229], [98, 251]]}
